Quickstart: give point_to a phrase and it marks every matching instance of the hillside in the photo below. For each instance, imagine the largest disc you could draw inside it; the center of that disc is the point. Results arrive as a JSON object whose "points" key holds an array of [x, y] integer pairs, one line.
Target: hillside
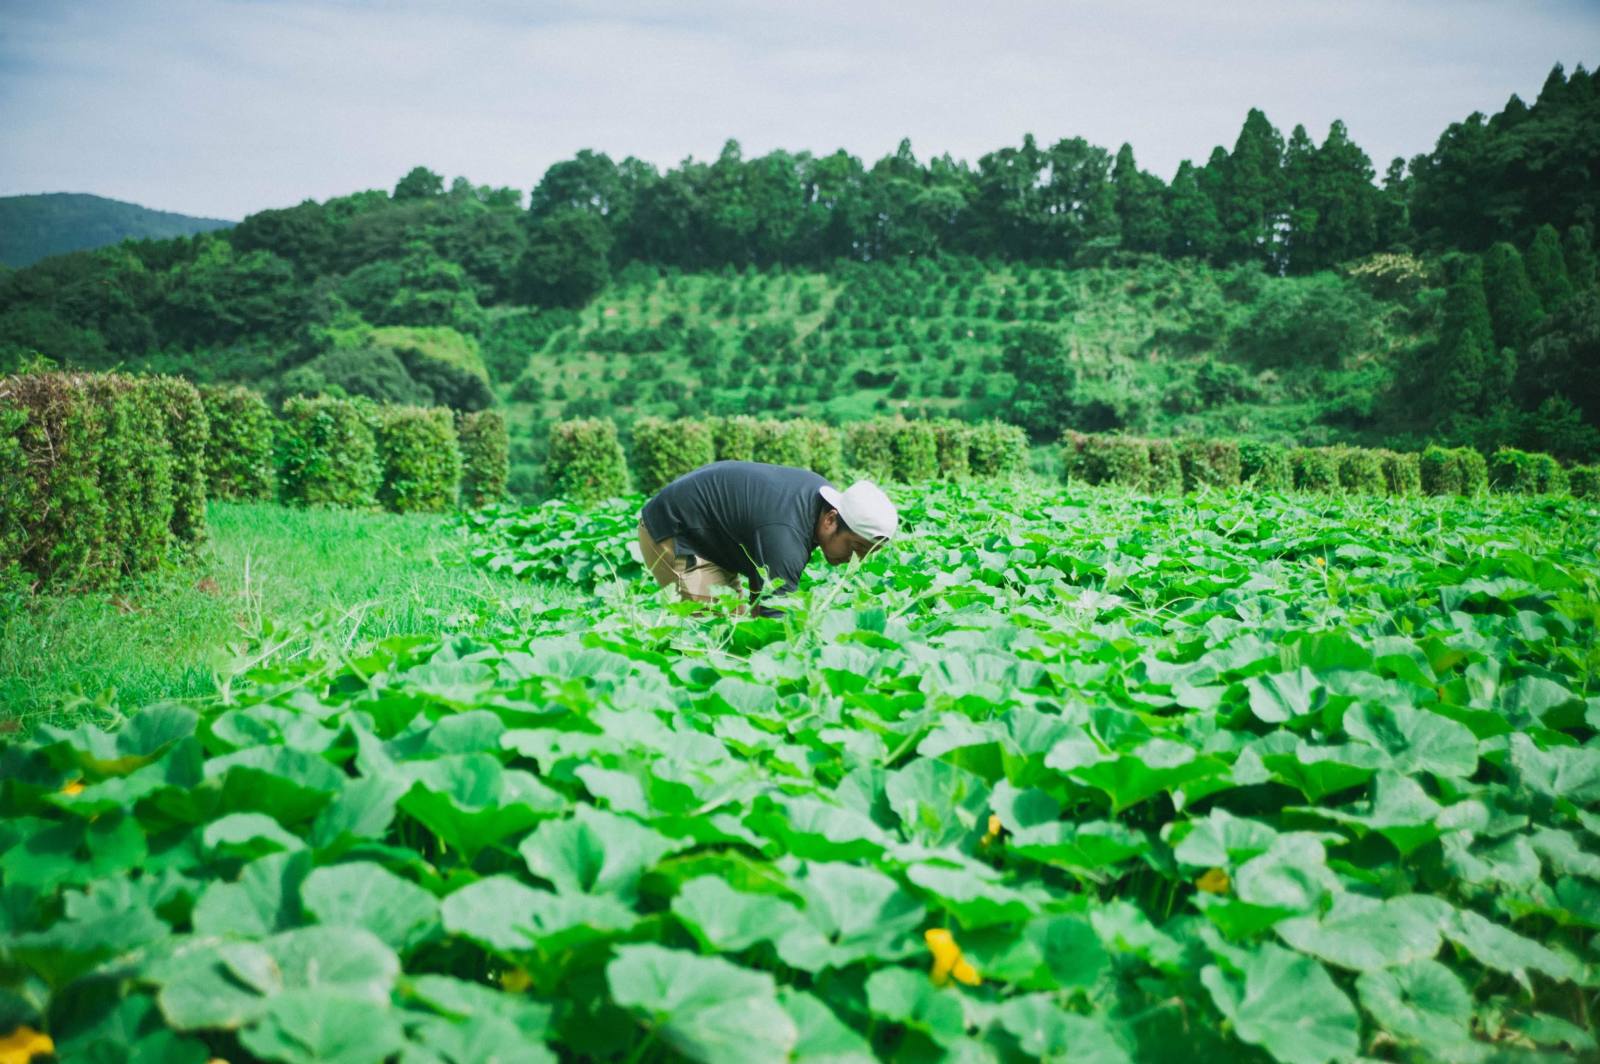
{"points": [[34, 227]]}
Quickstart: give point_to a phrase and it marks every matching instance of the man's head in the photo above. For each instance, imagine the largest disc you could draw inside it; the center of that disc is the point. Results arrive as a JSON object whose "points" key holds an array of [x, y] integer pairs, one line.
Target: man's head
{"points": [[855, 521]]}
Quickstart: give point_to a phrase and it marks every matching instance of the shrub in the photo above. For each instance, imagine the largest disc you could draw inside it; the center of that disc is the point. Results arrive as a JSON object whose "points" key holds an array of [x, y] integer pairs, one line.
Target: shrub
{"points": [[1166, 468], [1361, 471], [1107, 460], [420, 457], [1315, 468], [586, 462], [785, 443], [485, 457], [1265, 466], [187, 430], [1401, 472], [916, 451], [239, 448], [998, 449], [1453, 471], [665, 450], [1208, 463], [1584, 481], [86, 478], [327, 453], [827, 449], [734, 438], [869, 448], [953, 444], [1524, 473]]}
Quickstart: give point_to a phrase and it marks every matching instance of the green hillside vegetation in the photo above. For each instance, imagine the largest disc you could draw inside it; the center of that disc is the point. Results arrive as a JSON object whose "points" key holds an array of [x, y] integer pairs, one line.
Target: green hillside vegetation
{"points": [[1277, 291], [35, 227]]}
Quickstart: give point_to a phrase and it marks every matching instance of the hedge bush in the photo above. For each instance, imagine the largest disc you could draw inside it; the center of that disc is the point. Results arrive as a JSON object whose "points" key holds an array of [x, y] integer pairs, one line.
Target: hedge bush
{"points": [[1265, 466], [1315, 468], [665, 450], [1525, 473], [953, 447], [485, 457], [1361, 471], [734, 438], [785, 443], [239, 444], [827, 450], [916, 451], [1584, 481], [187, 430], [1121, 460], [1402, 474], [419, 454], [869, 448], [327, 453], [1453, 471], [1166, 468], [1208, 463], [86, 478], [586, 463], [998, 449]]}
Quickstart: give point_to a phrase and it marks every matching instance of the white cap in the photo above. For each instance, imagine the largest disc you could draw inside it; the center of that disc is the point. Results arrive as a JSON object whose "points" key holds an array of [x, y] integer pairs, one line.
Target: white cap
{"points": [[865, 508]]}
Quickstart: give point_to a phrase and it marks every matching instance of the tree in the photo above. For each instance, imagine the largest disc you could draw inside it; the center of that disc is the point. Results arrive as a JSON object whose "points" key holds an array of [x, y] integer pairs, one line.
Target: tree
{"points": [[1513, 307], [565, 264], [1564, 357], [1393, 218], [1547, 268], [1254, 203], [1042, 401], [420, 183], [1579, 255], [1466, 341], [1195, 231], [1141, 205]]}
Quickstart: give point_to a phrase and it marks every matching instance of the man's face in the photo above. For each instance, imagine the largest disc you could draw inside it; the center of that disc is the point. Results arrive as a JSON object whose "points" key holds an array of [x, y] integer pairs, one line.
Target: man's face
{"points": [[839, 543]]}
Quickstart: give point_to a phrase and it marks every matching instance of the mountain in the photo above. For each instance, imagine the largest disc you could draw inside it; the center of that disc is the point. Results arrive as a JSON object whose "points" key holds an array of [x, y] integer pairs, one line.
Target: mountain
{"points": [[33, 227]]}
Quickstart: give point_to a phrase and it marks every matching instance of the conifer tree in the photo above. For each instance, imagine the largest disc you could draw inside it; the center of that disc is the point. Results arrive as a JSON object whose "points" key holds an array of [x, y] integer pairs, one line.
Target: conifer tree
{"points": [[1578, 253], [1192, 216], [1254, 203], [1466, 341], [1547, 269], [1513, 307], [1141, 205]]}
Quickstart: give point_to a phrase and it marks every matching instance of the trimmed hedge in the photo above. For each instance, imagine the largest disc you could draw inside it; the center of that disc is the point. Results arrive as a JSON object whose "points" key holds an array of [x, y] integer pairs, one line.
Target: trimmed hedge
{"points": [[997, 449], [327, 453], [1402, 473], [485, 457], [1166, 468], [665, 450], [869, 448], [188, 430], [1315, 469], [1208, 463], [586, 463], [86, 477], [1453, 471], [1584, 481], [786, 443], [239, 446], [953, 447], [1265, 466], [916, 450], [419, 454], [733, 439], [1525, 473], [1361, 471], [827, 450]]}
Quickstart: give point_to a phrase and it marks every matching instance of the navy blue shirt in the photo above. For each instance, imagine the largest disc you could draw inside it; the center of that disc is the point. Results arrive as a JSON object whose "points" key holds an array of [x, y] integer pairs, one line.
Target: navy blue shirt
{"points": [[741, 515]]}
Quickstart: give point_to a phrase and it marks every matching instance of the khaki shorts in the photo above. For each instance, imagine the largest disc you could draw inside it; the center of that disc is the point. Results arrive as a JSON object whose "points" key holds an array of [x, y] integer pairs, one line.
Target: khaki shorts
{"points": [[699, 581]]}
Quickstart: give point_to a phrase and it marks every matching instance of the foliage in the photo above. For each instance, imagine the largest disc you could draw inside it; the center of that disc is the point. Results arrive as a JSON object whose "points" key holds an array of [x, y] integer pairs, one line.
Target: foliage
{"points": [[953, 445], [586, 463], [1584, 482], [665, 450], [1453, 471], [1315, 468], [781, 442], [239, 444], [1361, 471], [734, 438], [1208, 463], [1270, 777], [998, 450], [1265, 466], [1511, 470], [485, 457], [186, 426], [54, 223], [420, 458], [326, 453], [1042, 402], [1402, 473]]}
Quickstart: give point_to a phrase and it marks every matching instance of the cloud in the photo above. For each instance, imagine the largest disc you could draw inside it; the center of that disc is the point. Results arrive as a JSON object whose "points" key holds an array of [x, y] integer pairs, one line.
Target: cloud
{"points": [[223, 108]]}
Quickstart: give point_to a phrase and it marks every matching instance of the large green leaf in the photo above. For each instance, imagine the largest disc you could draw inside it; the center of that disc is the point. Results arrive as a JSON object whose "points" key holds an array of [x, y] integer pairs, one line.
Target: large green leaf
{"points": [[703, 1007], [851, 914], [595, 852], [318, 1027], [362, 894], [1366, 935], [726, 920], [909, 998], [1287, 1005], [1423, 1003], [1045, 1031], [470, 801], [507, 915]]}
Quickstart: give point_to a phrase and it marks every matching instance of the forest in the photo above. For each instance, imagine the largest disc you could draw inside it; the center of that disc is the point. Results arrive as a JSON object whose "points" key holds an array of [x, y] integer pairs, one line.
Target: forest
{"points": [[1456, 299]]}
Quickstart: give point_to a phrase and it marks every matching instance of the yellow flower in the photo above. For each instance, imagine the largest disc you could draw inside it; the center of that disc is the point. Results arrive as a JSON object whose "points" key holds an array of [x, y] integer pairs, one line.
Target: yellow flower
{"points": [[1214, 881], [947, 959], [75, 787], [23, 1044], [516, 980], [1319, 561], [994, 831]]}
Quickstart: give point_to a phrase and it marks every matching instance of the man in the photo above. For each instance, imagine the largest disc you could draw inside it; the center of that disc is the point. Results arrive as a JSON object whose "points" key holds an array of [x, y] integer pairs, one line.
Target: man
{"points": [[731, 519]]}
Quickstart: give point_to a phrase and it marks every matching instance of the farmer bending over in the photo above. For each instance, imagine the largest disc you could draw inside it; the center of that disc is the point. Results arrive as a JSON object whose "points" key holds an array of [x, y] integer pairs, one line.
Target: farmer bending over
{"points": [[730, 519]]}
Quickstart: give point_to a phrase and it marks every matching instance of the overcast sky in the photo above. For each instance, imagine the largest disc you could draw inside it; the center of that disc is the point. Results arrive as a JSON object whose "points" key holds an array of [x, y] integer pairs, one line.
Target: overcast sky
{"points": [[225, 107]]}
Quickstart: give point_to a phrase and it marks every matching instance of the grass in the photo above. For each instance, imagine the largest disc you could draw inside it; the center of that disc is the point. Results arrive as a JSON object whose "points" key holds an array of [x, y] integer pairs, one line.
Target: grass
{"points": [[266, 572]]}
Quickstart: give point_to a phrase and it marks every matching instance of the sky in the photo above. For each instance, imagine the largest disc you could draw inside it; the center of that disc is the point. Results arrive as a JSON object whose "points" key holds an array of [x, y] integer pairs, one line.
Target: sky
{"points": [[220, 108]]}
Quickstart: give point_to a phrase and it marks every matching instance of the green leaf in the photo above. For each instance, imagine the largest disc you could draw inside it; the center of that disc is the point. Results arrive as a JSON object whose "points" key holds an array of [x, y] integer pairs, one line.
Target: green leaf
{"points": [[1366, 935], [1279, 697], [95, 928], [910, 998], [1424, 1003], [362, 894], [478, 1038], [509, 916], [248, 835], [822, 1037], [1504, 950], [938, 804], [264, 901], [1045, 1031], [364, 809], [459, 999], [703, 1007], [595, 852], [140, 740], [1414, 740], [1287, 1005], [726, 920], [975, 894], [288, 785], [315, 1027], [471, 801], [851, 914]]}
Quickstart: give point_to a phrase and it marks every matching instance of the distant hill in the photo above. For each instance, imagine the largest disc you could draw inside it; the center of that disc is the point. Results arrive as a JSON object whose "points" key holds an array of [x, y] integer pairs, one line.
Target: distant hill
{"points": [[33, 227]]}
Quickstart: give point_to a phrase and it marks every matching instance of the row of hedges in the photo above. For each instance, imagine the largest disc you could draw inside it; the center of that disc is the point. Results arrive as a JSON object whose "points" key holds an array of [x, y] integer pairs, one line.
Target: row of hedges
{"points": [[1187, 464], [587, 460], [101, 476]]}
